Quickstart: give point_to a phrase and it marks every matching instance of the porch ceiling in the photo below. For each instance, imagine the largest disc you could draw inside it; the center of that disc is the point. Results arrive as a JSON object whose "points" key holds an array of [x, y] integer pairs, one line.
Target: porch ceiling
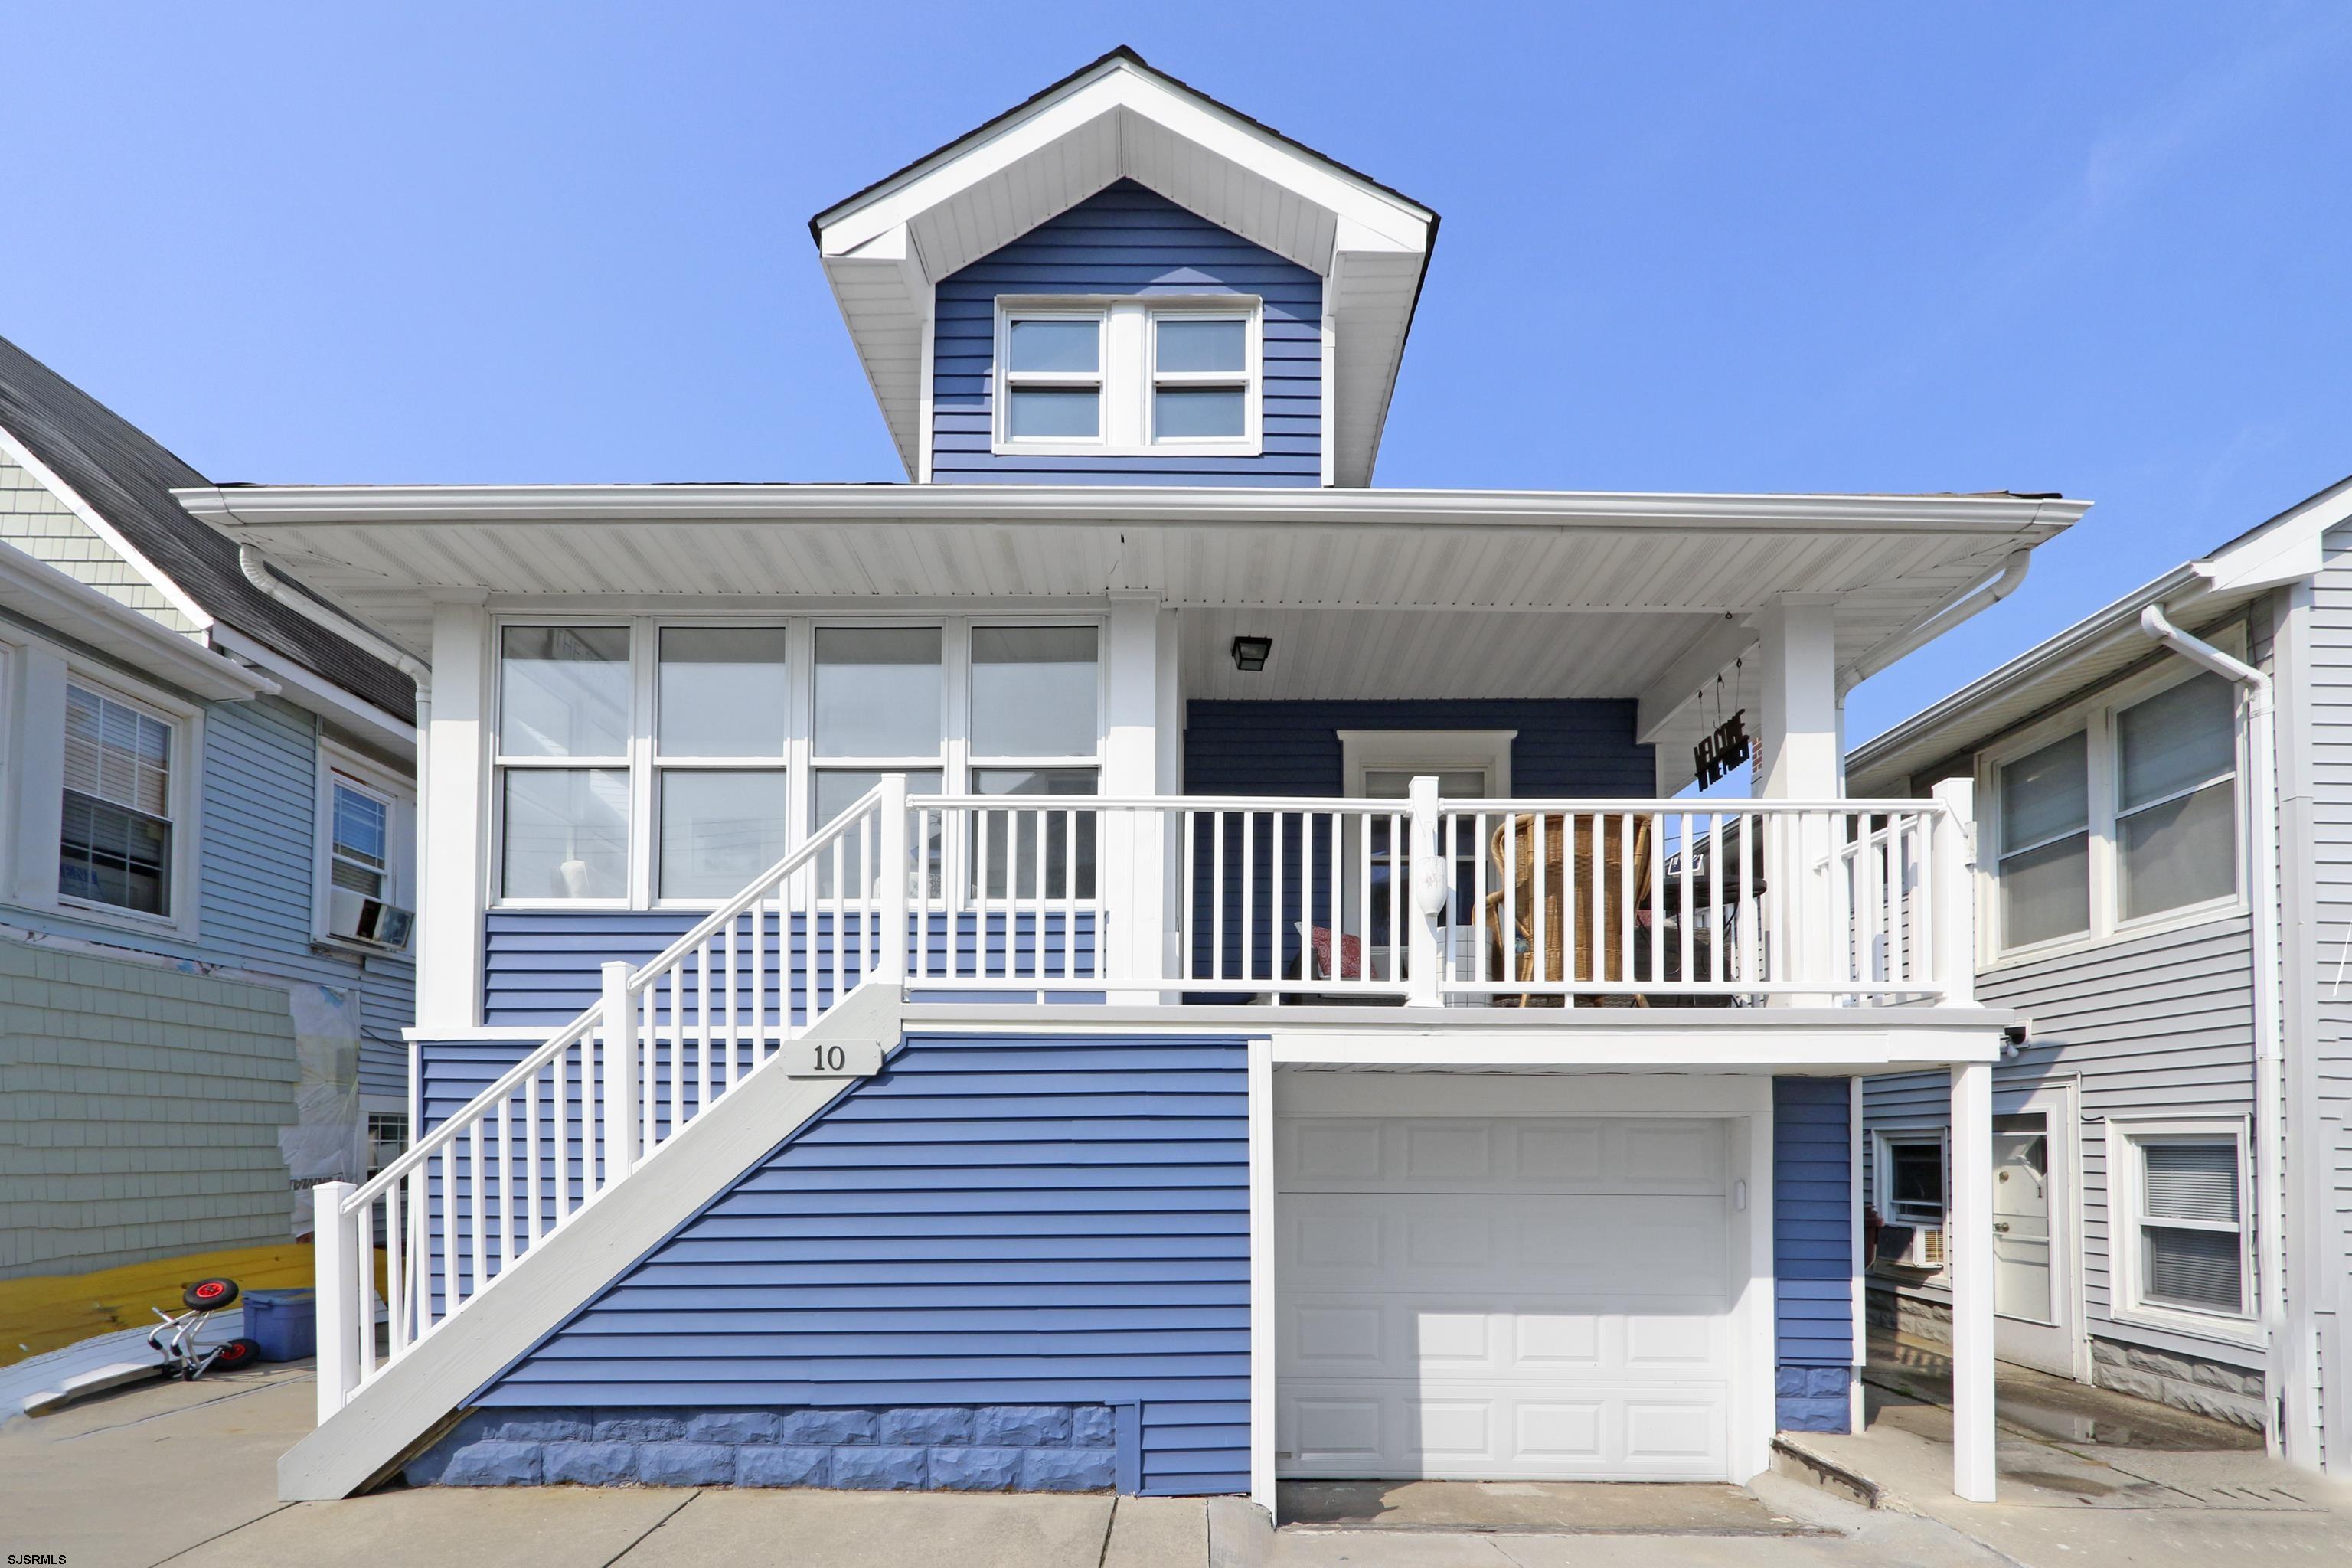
{"points": [[1447, 594]]}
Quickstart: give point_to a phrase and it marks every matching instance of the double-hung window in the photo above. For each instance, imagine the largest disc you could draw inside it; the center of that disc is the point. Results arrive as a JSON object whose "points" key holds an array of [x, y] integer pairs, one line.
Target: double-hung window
{"points": [[115, 838], [359, 838], [1034, 722], [564, 715], [1130, 377], [2130, 818], [721, 720], [2182, 1192]]}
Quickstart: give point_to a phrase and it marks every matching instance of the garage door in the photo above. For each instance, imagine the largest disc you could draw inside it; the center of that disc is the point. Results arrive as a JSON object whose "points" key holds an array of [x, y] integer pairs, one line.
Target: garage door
{"points": [[1503, 1298]]}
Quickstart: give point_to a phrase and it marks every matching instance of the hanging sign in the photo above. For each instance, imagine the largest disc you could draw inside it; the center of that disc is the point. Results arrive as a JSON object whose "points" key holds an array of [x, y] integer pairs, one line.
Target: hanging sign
{"points": [[1722, 751]]}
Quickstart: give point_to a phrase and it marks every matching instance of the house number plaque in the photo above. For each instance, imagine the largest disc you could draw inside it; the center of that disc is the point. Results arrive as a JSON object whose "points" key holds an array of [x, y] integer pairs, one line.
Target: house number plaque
{"points": [[833, 1058]]}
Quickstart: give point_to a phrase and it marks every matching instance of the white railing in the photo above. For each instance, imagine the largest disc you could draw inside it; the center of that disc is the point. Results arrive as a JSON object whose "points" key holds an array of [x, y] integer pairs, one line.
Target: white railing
{"points": [[1521, 902], [608, 1093], [1532, 902]]}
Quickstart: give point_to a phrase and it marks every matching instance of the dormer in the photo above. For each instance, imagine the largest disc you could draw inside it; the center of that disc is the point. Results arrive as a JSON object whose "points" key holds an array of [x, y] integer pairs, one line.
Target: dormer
{"points": [[1122, 280]]}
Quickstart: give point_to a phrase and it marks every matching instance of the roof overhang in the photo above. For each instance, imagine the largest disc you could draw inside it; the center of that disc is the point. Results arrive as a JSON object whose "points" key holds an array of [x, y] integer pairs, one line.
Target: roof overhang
{"points": [[1436, 593], [884, 248], [41, 596], [2108, 642]]}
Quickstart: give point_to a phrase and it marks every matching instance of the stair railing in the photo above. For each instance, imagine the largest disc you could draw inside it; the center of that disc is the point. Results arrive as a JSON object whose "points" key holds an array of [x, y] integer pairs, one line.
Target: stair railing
{"points": [[609, 1091]]}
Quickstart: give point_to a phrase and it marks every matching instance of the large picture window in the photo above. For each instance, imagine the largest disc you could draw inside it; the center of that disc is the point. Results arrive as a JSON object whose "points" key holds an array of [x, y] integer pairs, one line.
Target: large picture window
{"points": [[642, 762], [2130, 818], [114, 842]]}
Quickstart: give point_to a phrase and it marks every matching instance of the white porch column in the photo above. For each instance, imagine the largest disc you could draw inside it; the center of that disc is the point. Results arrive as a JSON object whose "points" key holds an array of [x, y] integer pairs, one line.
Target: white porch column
{"points": [[453, 884], [1130, 858], [1797, 758], [1970, 1265]]}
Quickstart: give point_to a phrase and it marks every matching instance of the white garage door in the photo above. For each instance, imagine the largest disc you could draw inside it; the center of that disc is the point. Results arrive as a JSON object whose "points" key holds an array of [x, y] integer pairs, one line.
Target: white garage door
{"points": [[1542, 1297]]}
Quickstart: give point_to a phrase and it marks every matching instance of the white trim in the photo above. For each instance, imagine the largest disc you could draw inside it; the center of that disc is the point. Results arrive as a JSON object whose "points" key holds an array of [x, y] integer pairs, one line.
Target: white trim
{"points": [[1427, 751], [1263, 1313], [22, 456], [2125, 1135], [1125, 377], [1858, 1289], [316, 694], [2094, 717], [62, 606]]}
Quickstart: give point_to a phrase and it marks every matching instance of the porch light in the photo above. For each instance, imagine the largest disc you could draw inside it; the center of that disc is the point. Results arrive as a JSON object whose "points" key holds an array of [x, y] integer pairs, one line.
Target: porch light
{"points": [[1250, 652]]}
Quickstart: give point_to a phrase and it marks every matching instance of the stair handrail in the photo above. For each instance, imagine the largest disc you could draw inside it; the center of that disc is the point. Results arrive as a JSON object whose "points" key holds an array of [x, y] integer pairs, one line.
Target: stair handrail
{"points": [[422, 1149]]}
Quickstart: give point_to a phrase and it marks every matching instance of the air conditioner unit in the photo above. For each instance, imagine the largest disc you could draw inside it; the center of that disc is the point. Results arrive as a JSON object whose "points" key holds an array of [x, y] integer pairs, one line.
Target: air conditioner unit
{"points": [[358, 918]]}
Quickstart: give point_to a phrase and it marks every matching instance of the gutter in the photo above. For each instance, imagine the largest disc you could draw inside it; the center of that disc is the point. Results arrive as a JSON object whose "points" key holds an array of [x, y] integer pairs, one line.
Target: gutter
{"points": [[2012, 574], [2270, 1101], [257, 570]]}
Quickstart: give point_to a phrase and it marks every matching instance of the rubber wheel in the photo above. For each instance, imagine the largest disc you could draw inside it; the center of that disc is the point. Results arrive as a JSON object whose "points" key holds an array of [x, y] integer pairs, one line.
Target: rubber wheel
{"points": [[209, 1294], [237, 1353]]}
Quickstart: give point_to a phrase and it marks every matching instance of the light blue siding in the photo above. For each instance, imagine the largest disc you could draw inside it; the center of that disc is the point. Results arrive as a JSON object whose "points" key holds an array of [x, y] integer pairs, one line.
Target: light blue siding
{"points": [[1127, 240], [991, 1221], [255, 833], [1812, 1251]]}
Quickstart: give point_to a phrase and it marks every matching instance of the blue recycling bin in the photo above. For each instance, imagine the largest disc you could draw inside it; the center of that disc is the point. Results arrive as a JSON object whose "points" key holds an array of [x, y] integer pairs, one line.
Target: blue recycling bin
{"points": [[284, 1323]]}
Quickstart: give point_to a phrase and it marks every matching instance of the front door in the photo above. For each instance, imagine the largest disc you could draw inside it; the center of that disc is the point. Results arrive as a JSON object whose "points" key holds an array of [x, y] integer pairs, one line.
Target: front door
{"points": [[2032, 1243]]}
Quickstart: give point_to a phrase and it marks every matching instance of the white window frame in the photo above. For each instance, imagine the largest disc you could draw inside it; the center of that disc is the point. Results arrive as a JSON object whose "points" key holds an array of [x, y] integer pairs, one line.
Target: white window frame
{"points": [[40, 822], [2127, 1177], [954, 762], [1128, 374], [338, 763], [2095, 718], [1883, 1141]]}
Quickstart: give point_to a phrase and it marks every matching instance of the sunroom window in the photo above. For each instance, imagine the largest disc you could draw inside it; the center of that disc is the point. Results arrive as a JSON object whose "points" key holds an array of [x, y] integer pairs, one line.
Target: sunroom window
{"points": [[881, 698], [563, 755], [722, 711], [1035, 720]]}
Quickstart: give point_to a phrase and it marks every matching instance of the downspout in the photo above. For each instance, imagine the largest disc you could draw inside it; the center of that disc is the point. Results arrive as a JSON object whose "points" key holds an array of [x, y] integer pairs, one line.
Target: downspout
{"points": [[2012, 574], [2270, 1101], [255, 567]]}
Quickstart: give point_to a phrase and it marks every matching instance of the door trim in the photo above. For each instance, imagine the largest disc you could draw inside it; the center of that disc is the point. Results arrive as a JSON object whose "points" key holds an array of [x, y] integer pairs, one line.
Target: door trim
{"points": [[1743, 1099], [2059, 1102]]}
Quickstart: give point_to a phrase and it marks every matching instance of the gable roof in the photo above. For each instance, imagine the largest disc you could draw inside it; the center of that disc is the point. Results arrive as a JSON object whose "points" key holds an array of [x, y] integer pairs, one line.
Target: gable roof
{"points": [[127, 478], [1117, 118], [2103, 644]]}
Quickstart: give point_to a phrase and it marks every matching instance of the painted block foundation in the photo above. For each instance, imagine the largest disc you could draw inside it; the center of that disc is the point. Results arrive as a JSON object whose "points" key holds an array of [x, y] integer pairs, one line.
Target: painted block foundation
{"points": [[990, 1447]]}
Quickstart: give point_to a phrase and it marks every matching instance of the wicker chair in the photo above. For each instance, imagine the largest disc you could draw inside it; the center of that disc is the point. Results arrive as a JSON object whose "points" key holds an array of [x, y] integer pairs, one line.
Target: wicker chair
{"points": [[1512, 955]]}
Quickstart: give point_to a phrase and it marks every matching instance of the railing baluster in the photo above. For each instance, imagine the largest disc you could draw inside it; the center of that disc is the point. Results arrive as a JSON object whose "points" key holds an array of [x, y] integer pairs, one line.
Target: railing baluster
{"points": [[1249, 895], [1043, 895]]}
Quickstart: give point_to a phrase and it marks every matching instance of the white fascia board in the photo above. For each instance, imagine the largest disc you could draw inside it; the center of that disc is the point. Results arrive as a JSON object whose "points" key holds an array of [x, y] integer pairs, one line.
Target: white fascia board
{"points": [[315, 693], [65, 605], [22, 456], [1118, 85], [882, 288], [1998, 516]]}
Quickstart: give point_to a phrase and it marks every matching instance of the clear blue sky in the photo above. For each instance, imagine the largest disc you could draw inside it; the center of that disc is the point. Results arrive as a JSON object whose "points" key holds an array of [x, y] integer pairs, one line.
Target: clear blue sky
{"points": [[2105, 250]]}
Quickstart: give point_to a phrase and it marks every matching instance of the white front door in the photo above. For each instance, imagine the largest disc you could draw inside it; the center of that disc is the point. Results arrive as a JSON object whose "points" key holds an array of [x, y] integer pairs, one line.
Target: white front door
{"points": [[1489, 1297], [2033, 1162]]}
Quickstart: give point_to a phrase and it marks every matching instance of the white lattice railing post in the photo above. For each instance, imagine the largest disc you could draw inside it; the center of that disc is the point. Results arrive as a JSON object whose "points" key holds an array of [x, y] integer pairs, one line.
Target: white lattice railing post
{"points": [[620, 1113], [1429, 892], [343, 1309]]}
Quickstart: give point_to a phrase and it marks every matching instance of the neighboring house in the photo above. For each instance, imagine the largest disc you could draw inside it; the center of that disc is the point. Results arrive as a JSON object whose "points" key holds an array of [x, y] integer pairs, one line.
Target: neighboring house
{"points": [[194, 773], [2171, 1163], [854, 916]]}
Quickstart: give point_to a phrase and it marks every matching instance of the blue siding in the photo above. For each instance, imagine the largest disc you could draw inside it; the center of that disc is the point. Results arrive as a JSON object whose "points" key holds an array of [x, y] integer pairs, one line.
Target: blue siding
{"points": [[1813, 1247], [991, 1221], [1127, 240], [1564, 747], [541, 967]]}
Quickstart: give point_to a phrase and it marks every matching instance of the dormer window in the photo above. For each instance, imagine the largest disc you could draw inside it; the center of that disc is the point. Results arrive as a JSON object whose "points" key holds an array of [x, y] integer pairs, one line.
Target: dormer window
{"points": [[1128, 378]]}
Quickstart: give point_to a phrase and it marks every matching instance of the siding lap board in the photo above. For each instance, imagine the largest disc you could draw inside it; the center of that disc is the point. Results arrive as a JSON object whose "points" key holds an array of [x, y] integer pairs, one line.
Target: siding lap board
{"points": [[1812, 1251], [991, 1220]]}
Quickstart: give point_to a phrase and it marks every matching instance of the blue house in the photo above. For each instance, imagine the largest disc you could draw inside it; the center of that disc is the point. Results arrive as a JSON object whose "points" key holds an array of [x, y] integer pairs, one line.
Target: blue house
{"points": [[207, 831], [1136, 959]]}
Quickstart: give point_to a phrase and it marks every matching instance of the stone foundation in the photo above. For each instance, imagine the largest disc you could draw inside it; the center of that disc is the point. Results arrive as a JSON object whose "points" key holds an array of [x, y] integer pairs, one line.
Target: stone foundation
{"points": [[991, 1447], [1888, 1311], [1813, 1398], [2184, 1382]]}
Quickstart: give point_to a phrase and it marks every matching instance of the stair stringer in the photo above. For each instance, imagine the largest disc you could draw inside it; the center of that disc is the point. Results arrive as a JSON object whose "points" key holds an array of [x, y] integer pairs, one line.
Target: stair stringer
{"points": [[411, 1399]]}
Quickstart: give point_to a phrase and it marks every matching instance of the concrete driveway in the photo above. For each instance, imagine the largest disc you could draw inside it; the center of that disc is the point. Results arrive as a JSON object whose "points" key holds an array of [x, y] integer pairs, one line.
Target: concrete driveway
{"points": [[185, 1473]]}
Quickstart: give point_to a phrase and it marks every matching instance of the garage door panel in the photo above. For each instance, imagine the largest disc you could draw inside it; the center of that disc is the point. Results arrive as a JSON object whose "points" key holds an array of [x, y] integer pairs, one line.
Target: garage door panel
{"points": [[1502, 1431], [1519, 1298]]}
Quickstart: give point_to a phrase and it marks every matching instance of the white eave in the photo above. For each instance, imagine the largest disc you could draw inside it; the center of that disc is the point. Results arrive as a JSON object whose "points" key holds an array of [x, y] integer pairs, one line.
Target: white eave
{"points": [[884, 248], [44, 597], [2101, 645]]}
